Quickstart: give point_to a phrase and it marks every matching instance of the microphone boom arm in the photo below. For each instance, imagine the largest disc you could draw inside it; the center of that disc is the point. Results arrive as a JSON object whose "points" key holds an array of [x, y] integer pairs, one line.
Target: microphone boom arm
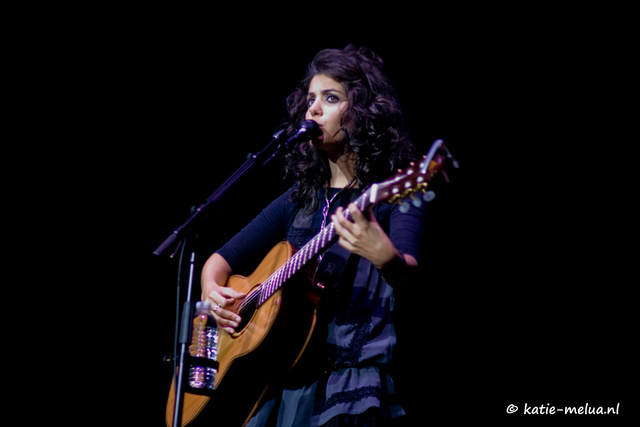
{"points": [[275, 145]]}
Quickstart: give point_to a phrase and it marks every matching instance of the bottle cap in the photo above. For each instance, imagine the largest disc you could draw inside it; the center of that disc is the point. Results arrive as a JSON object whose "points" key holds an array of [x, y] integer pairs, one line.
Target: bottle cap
{"points": [[203, 306]]}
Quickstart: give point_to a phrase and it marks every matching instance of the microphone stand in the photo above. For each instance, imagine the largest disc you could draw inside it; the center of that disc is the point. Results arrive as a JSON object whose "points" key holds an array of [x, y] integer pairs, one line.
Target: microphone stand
{"points": [[178, 240]]}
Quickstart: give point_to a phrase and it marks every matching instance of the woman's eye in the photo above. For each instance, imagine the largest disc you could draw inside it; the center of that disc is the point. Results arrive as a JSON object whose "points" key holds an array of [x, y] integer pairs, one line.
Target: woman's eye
{"points": [[329, 99]]}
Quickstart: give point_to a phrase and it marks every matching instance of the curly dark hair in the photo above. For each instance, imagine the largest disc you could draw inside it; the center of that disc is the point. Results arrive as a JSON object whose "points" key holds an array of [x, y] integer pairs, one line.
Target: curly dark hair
{"points": [[372, 123]]}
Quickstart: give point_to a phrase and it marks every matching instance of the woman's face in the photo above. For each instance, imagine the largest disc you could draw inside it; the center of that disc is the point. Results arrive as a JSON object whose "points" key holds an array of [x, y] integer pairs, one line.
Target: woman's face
{"points": [[326, 102]]}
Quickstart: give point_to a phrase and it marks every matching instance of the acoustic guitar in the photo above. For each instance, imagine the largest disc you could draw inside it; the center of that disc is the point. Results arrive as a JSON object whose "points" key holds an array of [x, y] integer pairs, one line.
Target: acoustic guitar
{"points": [[279, 310]]}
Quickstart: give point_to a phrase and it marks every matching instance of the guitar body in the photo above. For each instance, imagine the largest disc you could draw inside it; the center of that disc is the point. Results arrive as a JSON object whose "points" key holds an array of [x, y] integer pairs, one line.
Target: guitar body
{"points": [[268, 343]]}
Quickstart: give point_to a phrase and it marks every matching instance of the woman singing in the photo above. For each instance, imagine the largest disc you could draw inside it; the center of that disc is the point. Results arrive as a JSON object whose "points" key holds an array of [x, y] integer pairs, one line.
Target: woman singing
{"points": [[362, 141]]}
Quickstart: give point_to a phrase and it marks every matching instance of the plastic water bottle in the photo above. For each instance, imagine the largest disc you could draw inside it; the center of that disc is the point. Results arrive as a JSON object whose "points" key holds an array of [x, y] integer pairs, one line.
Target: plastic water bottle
{"points": [[203, 349]]}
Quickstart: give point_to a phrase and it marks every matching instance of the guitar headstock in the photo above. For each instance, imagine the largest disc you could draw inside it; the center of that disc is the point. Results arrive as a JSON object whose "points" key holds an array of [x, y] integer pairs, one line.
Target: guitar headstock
{"points": [[413, 179]]}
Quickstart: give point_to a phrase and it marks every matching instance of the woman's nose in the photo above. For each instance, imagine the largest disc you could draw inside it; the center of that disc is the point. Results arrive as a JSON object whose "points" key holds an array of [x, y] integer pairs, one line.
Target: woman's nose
{"points": [[315, 109]]}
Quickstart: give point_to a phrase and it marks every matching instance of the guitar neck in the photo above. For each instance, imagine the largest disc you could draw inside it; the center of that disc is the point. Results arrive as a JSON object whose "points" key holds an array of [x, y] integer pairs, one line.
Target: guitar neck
{"points": [[306, 253], [404, 183]]}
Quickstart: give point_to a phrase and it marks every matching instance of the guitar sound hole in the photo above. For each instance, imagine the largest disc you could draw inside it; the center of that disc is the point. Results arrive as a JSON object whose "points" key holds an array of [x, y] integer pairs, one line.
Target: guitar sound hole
{"points": [[247, 308]]}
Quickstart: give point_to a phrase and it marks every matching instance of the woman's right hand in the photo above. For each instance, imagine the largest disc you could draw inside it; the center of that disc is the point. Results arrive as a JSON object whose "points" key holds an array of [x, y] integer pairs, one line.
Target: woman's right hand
{"points": [[215, 271], [221, 298]]}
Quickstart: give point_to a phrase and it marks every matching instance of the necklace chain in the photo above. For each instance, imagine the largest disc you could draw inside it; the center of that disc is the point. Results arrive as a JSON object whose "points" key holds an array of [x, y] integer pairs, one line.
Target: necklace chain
{"points": [[325, 209]]}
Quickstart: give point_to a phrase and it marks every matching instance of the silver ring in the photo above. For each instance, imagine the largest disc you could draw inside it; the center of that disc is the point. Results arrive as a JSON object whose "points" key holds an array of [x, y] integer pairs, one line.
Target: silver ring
{"points": [[216, 308]]}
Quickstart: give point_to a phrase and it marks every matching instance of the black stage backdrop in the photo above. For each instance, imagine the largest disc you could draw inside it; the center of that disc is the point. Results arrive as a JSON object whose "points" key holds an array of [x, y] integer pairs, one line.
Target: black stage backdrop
{"points": [[522, 299]]}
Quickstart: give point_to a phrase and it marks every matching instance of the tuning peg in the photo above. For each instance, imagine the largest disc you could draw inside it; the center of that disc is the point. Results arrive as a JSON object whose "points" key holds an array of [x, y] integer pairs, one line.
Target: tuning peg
{"points": [[404, 207], [429, 196]]}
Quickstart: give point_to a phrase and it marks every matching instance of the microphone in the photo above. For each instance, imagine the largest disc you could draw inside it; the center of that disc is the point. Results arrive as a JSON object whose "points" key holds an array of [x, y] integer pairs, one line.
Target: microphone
{"points": [[306, 131]]}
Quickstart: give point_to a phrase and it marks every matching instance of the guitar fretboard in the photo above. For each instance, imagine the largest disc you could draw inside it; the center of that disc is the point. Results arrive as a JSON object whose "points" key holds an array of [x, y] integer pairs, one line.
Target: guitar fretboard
{"points": [[296, 262], [305, 254], [401, 185]]}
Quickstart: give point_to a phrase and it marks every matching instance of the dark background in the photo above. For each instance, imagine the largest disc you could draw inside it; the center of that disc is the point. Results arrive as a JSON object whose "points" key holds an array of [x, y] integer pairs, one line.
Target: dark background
{"points": [[524, 297]]}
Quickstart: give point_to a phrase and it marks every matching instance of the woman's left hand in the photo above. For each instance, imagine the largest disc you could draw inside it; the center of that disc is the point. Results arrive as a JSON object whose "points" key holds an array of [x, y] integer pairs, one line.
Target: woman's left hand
{"points": [[364, 236]]}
